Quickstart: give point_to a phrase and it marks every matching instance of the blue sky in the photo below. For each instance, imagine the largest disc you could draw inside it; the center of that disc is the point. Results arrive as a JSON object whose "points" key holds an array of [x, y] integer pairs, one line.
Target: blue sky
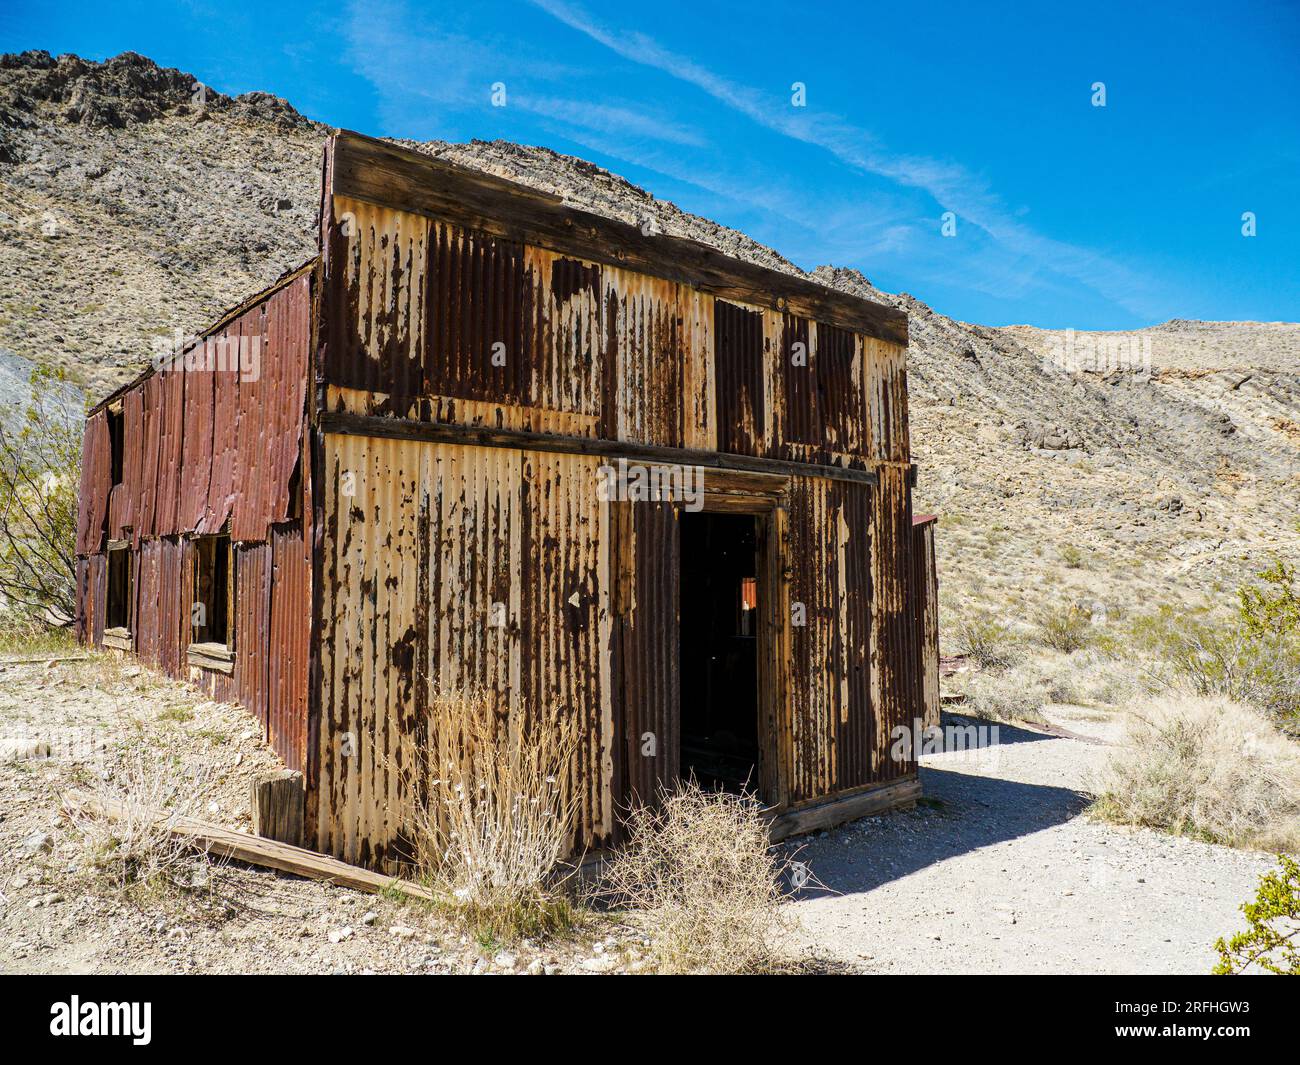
{"points": [[1067, 214]]}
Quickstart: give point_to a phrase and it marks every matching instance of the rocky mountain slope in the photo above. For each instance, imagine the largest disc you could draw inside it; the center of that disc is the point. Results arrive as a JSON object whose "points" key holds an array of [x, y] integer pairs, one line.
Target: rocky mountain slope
{"points": [[1162, 466]]}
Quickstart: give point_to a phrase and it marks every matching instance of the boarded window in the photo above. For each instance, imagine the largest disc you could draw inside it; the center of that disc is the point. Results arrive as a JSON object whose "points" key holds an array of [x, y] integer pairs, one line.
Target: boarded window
{"points": [[212, 613], [117, 613], [115, 430]]}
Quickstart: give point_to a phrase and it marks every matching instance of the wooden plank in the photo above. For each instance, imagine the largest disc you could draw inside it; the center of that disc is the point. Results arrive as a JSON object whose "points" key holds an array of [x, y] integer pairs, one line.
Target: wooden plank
{"points": [[276, 799], [270, 854], [368, 169], [837, 811], [340, 422]]}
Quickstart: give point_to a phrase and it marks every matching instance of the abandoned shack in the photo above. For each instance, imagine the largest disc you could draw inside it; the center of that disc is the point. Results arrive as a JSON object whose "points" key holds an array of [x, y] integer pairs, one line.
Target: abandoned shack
{"points": [[486, 438]]}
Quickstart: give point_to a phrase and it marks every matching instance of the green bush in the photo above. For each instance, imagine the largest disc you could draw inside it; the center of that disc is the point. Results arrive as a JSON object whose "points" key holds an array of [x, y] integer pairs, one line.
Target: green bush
{"points": [[988, 643], [1269, 942], [1065, 628], [1247, 663]]}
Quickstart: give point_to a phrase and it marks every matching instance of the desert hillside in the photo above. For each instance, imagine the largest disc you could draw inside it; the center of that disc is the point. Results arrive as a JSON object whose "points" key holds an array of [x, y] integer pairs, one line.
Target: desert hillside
{"points": [[137, 203]]}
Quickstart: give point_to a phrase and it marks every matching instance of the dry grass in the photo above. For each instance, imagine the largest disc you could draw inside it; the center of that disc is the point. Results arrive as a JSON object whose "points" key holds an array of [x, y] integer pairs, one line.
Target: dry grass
{"points": [[1206, 767], [699, 869], [497, 820], [137, 849]]}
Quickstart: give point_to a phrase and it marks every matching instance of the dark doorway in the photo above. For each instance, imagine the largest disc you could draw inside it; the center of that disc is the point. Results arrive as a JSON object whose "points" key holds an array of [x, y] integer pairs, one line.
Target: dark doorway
{"points": [[719, 650]]}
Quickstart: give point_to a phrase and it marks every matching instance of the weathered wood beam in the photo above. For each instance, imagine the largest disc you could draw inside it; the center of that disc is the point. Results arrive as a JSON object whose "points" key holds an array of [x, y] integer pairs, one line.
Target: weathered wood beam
{"points": [[478, 436], [268, 853], [837, 811], [277, 799], [364, 168]]}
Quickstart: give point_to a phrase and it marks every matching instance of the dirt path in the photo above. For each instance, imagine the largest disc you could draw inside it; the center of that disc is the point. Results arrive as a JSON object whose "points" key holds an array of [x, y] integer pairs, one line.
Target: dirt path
{"points": [[1003, 873]]}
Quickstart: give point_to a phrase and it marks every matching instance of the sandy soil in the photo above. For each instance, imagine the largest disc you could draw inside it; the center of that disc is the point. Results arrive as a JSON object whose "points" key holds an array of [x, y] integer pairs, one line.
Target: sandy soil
{"points": [[1000, 871]]}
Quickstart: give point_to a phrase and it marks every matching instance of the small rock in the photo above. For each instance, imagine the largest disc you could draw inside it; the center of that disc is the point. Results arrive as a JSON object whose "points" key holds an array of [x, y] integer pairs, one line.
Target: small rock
{"points": [[401, 931], [601, 964], [504, 960], [369, 917], [338, 935], [536, 968], [36, 843]]}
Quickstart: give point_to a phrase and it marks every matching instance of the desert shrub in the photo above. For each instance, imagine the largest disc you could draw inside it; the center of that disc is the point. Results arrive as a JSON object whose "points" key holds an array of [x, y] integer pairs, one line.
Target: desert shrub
{"points": [[1007, 697], [146, 793], [989, 643], [40, 460], [1205, 767], [699, 869], [1219, 658], [1270, 608], [1273, 919], [497, 820], [1064, 628], [1072, 557]]}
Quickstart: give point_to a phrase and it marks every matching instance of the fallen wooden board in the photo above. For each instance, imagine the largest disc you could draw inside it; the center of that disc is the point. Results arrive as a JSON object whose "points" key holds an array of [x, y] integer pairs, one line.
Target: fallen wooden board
{"points": [[227, 843]]}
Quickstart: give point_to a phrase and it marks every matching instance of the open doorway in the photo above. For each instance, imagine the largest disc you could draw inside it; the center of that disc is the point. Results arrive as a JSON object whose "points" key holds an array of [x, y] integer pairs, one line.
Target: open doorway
{"points": [[719, 650]]}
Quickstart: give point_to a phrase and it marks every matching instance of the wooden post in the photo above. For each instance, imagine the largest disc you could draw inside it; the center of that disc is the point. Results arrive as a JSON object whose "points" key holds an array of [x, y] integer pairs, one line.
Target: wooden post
{"points": [[278, 798]]}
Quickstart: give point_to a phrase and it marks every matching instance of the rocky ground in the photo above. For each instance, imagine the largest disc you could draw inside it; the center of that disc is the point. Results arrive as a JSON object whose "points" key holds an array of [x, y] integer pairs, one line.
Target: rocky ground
{"points": [[998, 870], [64, 723]]}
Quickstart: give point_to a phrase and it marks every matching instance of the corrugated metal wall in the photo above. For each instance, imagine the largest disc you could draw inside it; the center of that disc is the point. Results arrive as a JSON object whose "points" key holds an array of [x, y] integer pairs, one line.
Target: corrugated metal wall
{"points": [[202, 448], [436, 533], [450, 566]]}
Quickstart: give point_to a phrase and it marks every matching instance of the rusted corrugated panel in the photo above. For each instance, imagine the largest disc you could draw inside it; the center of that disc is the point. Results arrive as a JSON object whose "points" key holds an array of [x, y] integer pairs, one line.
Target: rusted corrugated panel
{"points": [[647, 334], [887, 401], [646, 565], [83, 599], [924, 590], [832, 719], [290, 632], [126, 495], [567, 297], [96, 473], [452, 566], [253, 647], [147, 481], [895, 643], [196, 444], [740, 366], [162, 604], [840, 390], [250, 515], [798, 409], [171, 450]]}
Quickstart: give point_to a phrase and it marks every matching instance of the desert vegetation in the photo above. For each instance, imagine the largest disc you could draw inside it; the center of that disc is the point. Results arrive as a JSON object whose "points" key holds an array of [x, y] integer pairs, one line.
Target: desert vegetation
{"points": [[1271, 941], [40, 460], [699, 872], [496, 820]]}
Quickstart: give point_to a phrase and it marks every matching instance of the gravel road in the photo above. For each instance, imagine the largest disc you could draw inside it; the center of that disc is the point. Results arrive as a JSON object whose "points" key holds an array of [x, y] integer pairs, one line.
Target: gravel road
{"points": [[1000, 871]]}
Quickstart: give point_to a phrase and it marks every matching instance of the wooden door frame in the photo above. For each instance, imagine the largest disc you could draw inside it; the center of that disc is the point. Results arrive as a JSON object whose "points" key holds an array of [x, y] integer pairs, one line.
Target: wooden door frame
{"points": [[764, 497]]}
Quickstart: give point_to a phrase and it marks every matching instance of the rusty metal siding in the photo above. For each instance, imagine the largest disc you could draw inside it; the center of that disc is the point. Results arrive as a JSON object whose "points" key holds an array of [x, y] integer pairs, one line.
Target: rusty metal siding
{"points": [[924, 592], [431, 538], [895, 644], [841, 395], [290, 634], [831, 708], [96, 472], [204, 446], [646, 552], [647, 329], [740, 358], [886, 380]]}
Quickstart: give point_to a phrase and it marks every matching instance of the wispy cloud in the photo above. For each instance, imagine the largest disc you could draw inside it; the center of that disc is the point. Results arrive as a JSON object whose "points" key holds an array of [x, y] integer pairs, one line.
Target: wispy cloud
{"points": [[951, 186]]}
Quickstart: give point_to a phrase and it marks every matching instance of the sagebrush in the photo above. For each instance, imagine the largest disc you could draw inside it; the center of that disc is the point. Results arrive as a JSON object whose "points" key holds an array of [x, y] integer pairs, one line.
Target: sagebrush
{"points": [[1205, 767], [497, 818], [699, 870]]}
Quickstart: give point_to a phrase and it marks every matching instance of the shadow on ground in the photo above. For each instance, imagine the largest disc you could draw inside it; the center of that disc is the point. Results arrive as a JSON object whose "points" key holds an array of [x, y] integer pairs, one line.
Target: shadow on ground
{"points": [[960, 812]]}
